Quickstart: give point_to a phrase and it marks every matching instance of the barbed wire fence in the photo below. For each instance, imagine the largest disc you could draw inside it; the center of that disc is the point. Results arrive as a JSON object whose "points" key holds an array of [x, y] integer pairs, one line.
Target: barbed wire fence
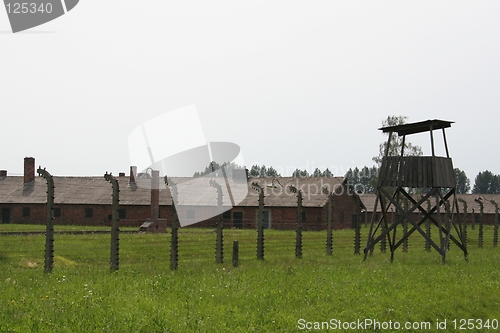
{"points": [[194, 245]]}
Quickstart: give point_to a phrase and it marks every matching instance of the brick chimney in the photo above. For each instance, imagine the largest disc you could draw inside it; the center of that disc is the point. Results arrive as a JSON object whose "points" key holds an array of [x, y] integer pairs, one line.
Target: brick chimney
{"points": [[133, 173], [3, 174], [29, 170], [155, 194]]}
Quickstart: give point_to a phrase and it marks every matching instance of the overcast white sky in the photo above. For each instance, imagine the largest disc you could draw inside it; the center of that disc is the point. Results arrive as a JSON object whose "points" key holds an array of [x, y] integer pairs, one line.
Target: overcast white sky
{"points": [[295, 84]]}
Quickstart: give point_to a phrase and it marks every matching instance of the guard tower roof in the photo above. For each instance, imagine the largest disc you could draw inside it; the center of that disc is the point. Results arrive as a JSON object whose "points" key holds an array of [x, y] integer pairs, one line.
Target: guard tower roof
{"points": [[418, 127]]}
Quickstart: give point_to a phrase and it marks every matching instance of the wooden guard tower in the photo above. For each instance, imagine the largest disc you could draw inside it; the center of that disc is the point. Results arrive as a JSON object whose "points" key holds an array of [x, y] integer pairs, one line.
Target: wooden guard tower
{"points": [[434, 176]]}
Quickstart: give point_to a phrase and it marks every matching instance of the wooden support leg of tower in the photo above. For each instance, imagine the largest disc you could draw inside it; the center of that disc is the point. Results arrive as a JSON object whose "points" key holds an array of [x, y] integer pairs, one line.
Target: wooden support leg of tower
{"points": [[371, 241], [440, 226], [404, 215], [428, 215]]}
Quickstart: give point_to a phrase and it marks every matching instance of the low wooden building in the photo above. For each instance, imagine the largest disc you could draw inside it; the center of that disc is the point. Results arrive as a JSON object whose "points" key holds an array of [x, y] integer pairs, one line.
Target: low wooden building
{"points": [[87, 201], [280, 204], [78, 200]]}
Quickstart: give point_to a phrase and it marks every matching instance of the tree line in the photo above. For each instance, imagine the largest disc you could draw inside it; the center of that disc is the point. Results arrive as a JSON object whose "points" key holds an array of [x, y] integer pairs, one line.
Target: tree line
{"points": [[263, 171], [486, 182], [257, 171], [366, 178]]}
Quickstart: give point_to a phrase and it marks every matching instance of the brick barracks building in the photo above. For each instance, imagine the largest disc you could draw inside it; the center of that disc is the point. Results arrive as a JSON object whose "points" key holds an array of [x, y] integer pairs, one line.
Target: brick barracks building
{"points": [[87, 201]]}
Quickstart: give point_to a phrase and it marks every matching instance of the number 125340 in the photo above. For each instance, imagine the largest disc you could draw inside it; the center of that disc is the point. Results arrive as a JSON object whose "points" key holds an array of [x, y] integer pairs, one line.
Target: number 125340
{"points": [[25, 7]]}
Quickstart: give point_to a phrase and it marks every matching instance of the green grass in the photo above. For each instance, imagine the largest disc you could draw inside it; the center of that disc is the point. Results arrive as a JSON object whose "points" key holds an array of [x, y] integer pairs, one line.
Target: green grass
{"points": [[63, 228], [145, 295]]}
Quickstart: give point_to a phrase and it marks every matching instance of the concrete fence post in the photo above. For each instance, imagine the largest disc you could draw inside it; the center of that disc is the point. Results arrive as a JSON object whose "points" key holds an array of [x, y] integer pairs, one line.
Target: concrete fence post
{"points": [[49, 234], [481, 231], [464, 225], [260, 221], [219, 243], [115, 230], [235, 253], [329, 240], [357, 233], [495, 226], [174, 241], [298, 231]]}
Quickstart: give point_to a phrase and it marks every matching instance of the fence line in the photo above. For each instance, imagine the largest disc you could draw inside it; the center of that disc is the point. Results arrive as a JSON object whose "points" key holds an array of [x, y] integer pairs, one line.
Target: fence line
{"points": [[194, 245]]}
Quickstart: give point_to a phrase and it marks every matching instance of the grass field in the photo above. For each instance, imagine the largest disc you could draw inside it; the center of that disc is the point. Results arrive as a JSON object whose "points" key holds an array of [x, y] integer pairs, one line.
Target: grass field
{"points": [[278, 294]]}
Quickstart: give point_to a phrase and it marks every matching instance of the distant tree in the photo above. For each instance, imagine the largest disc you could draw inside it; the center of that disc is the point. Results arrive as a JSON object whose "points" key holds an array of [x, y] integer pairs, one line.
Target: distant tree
{"points": [[352, 176], [463, 183], [300, 173], [368, 178], [217, 169], [268, 172], [254, 171], [272, 172], [396, 141], [211, 167], [364, 179], [317, 173], [327, 173], [262, 171], [486, 182]]}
